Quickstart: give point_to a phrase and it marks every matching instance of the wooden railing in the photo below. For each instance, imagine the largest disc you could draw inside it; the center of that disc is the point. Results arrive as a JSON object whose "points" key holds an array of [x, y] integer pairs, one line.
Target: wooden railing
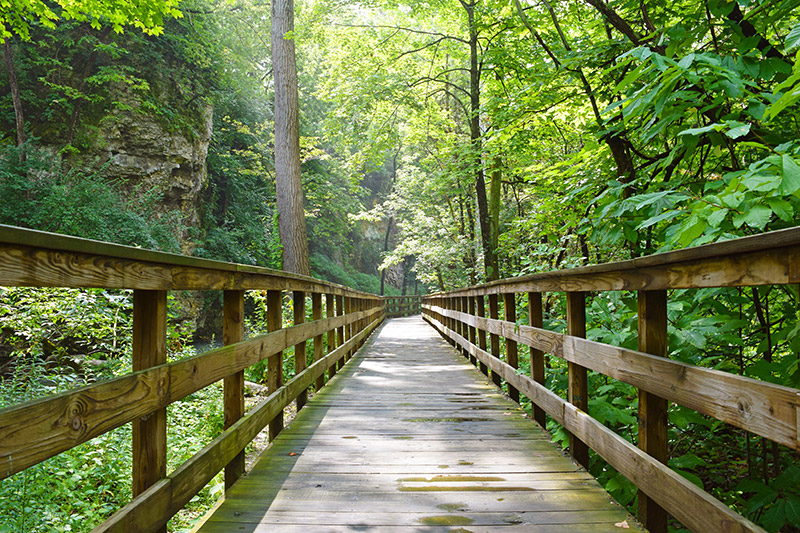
{"points": [[403, 305], [771, 411], [37, 430]]}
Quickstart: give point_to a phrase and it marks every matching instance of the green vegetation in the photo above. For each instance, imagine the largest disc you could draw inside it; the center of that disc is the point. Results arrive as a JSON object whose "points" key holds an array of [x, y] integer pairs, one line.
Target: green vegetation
{"points": [[459, 140]]}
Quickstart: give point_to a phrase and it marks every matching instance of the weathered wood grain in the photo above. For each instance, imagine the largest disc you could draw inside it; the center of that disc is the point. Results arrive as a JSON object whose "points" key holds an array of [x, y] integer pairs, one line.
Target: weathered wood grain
{"points": [[319, 347], [535, 317], [577, 383], [149, 350], [40, 259], [653, 440], [154, 507], [37, 430], [233, 385], [694, 507], [360, 460], [762, 408]]}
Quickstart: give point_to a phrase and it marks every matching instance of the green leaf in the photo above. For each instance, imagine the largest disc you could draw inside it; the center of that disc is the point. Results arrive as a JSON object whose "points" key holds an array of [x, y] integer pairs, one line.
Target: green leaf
{"points": [[686, 62], [738, 129], [758, 216], [692, 230], [716, 218], [781, 208], [793, 39], [790, 183], [775, 517], [793, 509], [704, 129], [666, 215]]}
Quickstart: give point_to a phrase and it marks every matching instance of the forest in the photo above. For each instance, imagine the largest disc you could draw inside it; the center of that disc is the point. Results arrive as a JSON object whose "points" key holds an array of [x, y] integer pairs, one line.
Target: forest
{"points": [[442, 144]]}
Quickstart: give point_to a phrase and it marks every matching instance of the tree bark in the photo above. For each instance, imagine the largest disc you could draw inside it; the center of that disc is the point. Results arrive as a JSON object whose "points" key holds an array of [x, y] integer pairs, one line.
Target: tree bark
{"points": [[489, 254], [19, 116], [288, 183]]}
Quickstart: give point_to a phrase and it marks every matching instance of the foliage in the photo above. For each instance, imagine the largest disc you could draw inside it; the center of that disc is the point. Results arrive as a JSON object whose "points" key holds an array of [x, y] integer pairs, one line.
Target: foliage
{"points": [[38, 194]]}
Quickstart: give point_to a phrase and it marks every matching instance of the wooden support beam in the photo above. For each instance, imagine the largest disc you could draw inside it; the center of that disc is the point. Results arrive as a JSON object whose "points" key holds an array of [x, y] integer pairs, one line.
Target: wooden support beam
{"points": [[537, 356], [512, 356], [275, 361], [494, 339], [330, 312], [340, 333], [653, 409], [481, 312], [578, 389], [469, 304], [233, 385], [300, 361], [319, 349], [149, 349]]}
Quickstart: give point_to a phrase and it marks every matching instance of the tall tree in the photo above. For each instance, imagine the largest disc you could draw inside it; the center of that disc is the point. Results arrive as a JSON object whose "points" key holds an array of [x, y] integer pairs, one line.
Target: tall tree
{"points": [[288, 183]]}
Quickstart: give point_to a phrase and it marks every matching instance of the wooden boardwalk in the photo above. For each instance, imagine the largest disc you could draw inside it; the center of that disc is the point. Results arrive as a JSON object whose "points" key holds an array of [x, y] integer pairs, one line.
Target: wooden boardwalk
{"points": [[411, 437]]}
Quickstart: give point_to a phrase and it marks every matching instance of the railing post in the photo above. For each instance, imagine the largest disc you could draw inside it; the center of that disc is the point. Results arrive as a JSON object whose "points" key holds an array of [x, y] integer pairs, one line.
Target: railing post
{"points": [[275, 361], [149, 349], [233, 385], [458, 325], [348, 329], [481, 301], [330, 312], [300, 360], [494, 339], [316, 314], [653, 409], [510, 306], [576, 374], [340, 330], [471, 311], [537, 356]]}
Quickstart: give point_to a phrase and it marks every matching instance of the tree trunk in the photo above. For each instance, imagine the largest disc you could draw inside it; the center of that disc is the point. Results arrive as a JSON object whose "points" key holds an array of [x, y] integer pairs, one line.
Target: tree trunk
{"points": [[288, 184], [489, 254], [19, 116], [495, 192]]}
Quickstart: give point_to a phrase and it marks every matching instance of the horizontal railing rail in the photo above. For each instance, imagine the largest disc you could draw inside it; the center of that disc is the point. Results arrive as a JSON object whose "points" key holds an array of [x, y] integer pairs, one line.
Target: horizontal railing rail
{"points": [[34, 431], [403, 305], [766, 409]]}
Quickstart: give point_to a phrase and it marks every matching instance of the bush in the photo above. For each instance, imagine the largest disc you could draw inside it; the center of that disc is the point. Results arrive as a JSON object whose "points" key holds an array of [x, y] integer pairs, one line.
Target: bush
{"points": [[37, 193]]}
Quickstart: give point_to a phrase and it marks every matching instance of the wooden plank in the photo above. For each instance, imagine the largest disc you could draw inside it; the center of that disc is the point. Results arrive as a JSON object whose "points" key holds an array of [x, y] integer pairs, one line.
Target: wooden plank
{"points": [[512, 357], [340, 338], [763, 408], [300, 361], [481, 312], [537, 356], [494, 338], [275, 360], [233, 385], [149, 349], [330, 310], [652, 325], [694, 507], [424, 464], [577, 384], [29, 266], [319, 348], [471, 309], [154, 507], [39, 429]]}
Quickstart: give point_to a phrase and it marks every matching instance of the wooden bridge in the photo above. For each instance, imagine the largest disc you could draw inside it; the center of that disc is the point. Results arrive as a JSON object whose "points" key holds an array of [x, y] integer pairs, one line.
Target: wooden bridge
{"points": [[402, 434]]}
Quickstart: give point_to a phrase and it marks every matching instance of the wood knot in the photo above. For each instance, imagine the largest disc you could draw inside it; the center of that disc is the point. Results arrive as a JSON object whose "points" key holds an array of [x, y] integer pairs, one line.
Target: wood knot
{"points": [[743, 407], [75, 413]]}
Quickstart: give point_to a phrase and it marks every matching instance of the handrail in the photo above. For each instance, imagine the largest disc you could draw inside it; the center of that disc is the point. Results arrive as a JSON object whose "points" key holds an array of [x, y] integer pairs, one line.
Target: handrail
{"points": [[409, 304], [33, 431], [769, 410]]}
